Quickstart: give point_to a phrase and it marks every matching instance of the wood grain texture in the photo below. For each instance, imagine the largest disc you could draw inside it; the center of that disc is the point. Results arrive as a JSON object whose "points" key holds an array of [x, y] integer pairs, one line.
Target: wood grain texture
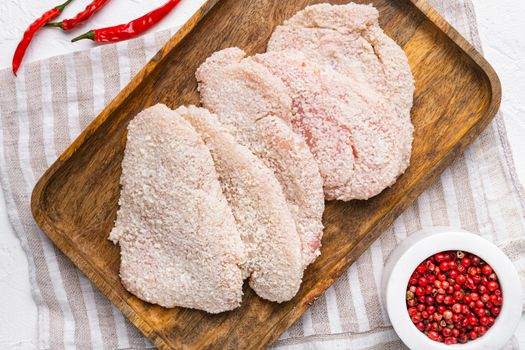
{"points": [[75, 202]]}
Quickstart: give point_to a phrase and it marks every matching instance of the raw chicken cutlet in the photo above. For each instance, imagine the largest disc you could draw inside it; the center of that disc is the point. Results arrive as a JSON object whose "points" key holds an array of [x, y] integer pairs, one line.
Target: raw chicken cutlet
{"points": [[319, 94], [178, 239], [255, 107], [272, 245], [350, 40]]}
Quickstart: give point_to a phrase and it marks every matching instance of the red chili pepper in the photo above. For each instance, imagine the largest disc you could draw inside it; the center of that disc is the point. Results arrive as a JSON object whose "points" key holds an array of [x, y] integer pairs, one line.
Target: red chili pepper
{"points": [[131, 29], [31, 31], [70, 23]]}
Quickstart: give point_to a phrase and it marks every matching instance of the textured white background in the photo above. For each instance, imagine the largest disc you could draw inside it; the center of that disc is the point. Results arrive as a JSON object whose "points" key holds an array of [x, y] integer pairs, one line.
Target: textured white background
{"points": [[501, 27]]}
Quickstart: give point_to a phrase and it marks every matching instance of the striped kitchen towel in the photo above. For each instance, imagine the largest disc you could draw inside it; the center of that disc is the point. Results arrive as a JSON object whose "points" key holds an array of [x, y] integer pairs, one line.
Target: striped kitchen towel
{"points": [[52, 100]]}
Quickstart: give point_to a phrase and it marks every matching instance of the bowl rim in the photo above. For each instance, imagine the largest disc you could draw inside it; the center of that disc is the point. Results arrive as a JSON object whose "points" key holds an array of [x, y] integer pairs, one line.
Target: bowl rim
{"points": [[418, 247]]}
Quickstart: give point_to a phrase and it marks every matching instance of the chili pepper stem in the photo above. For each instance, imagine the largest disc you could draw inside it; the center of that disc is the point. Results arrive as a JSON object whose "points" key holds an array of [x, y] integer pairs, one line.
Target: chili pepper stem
{"points": [[55, 24], [88, 35], [63, 6]]}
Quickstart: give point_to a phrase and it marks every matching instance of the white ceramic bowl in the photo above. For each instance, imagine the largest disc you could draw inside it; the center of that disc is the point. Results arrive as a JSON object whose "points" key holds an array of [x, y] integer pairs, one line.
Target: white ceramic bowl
{"points": [[418, 247]]}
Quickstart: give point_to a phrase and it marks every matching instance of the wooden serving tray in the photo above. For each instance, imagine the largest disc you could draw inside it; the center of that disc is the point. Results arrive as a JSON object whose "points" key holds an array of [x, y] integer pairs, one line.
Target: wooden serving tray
{"points": [[75, 202]]}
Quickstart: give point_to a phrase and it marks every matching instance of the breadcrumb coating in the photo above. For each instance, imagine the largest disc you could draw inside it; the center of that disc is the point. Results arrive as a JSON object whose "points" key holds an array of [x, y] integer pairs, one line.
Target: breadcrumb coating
{"points": [[179, 243], [348, 38], [255, 107], [272, 245]]}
